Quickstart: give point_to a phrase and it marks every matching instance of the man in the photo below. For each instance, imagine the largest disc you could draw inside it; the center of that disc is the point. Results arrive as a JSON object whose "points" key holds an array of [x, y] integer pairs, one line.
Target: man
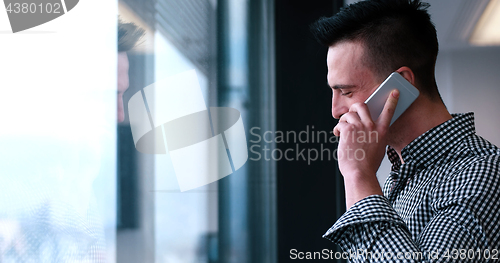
{"points": [[441, 200], [128, 36]]}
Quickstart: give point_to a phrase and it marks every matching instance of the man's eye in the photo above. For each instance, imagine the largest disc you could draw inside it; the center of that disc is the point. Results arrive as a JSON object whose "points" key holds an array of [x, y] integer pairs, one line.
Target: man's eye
{"points": [[346, 93]]}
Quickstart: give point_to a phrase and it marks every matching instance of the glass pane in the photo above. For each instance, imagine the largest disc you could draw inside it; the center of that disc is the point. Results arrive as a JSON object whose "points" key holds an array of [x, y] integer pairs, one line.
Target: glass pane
{"points": [[58, 139]]}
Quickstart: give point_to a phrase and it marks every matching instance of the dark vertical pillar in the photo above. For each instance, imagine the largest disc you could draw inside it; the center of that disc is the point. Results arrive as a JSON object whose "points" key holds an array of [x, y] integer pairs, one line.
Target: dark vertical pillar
{"points": [[262, 114], [310, 192]]}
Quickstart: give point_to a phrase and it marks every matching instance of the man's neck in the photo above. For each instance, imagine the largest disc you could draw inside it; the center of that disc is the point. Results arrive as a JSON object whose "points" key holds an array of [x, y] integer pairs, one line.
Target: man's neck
{"points": [[422, 116]]}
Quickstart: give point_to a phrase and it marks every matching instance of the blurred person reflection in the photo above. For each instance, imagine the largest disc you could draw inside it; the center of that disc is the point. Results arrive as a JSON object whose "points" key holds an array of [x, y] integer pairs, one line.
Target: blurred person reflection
{"points": [[128, 36]]}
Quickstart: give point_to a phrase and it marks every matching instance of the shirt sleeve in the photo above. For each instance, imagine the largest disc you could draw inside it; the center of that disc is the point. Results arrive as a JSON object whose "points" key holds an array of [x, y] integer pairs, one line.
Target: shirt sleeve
{"points": [[371, 231]]}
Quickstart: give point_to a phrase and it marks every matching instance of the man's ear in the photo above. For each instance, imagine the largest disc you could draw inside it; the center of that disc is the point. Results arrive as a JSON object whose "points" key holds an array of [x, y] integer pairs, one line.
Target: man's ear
{"points": [[407, 73]]}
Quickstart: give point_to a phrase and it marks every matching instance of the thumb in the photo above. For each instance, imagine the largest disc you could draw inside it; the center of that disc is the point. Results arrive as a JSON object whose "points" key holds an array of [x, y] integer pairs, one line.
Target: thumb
{"points": [[389, 108]]}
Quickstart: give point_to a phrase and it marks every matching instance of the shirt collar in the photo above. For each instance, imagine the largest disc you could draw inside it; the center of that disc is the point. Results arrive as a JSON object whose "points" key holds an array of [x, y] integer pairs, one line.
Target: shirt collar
{"points": [[428, 147]]}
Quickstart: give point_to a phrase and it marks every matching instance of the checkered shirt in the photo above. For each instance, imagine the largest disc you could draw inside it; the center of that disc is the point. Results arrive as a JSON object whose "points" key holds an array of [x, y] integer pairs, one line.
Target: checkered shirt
{"points": [[441, 205]]}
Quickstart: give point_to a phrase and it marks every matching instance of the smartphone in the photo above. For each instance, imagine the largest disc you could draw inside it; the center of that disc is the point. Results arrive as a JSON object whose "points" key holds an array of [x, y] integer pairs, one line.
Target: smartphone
{"points": [[407, 95]]}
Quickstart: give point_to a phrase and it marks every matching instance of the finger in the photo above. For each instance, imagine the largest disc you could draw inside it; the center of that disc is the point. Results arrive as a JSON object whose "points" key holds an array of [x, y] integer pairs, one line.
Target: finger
{"points": [[389, 108], [350, 117], [363, 112], [337, 130]]}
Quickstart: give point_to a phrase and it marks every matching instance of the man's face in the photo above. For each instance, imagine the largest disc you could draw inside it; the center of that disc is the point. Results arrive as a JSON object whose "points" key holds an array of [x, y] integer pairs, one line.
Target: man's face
{"points": [[350, 79], [122, 83]]}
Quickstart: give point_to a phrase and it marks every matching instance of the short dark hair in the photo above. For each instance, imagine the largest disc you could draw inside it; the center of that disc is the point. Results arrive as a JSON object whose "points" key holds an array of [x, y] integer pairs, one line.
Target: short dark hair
{"points": [[128, 35], [395, 33]]}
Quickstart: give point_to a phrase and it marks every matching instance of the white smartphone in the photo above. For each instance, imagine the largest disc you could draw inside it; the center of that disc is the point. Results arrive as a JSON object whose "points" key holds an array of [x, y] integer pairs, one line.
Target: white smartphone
{"points": [[407, 95]]}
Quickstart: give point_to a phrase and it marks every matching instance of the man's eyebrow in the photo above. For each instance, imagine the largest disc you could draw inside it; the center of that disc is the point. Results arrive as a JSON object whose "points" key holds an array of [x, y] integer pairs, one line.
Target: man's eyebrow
{"points": [[343, 86]]}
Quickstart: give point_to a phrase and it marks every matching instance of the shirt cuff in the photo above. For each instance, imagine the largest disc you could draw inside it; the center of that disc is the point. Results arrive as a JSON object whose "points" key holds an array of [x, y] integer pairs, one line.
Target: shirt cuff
{"points": [[371, 209]]}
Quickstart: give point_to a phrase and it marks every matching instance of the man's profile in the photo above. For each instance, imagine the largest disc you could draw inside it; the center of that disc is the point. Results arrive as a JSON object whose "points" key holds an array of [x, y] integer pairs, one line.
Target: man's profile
{"points": [[442, 196]]}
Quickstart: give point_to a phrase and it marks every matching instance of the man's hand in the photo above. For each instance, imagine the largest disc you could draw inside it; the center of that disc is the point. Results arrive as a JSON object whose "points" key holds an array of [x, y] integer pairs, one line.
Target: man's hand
{"points": [[362, 147]]}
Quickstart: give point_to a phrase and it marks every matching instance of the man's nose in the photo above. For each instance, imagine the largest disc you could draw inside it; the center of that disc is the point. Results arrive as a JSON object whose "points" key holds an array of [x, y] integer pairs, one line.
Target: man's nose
{"points": [[338, 106]]}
